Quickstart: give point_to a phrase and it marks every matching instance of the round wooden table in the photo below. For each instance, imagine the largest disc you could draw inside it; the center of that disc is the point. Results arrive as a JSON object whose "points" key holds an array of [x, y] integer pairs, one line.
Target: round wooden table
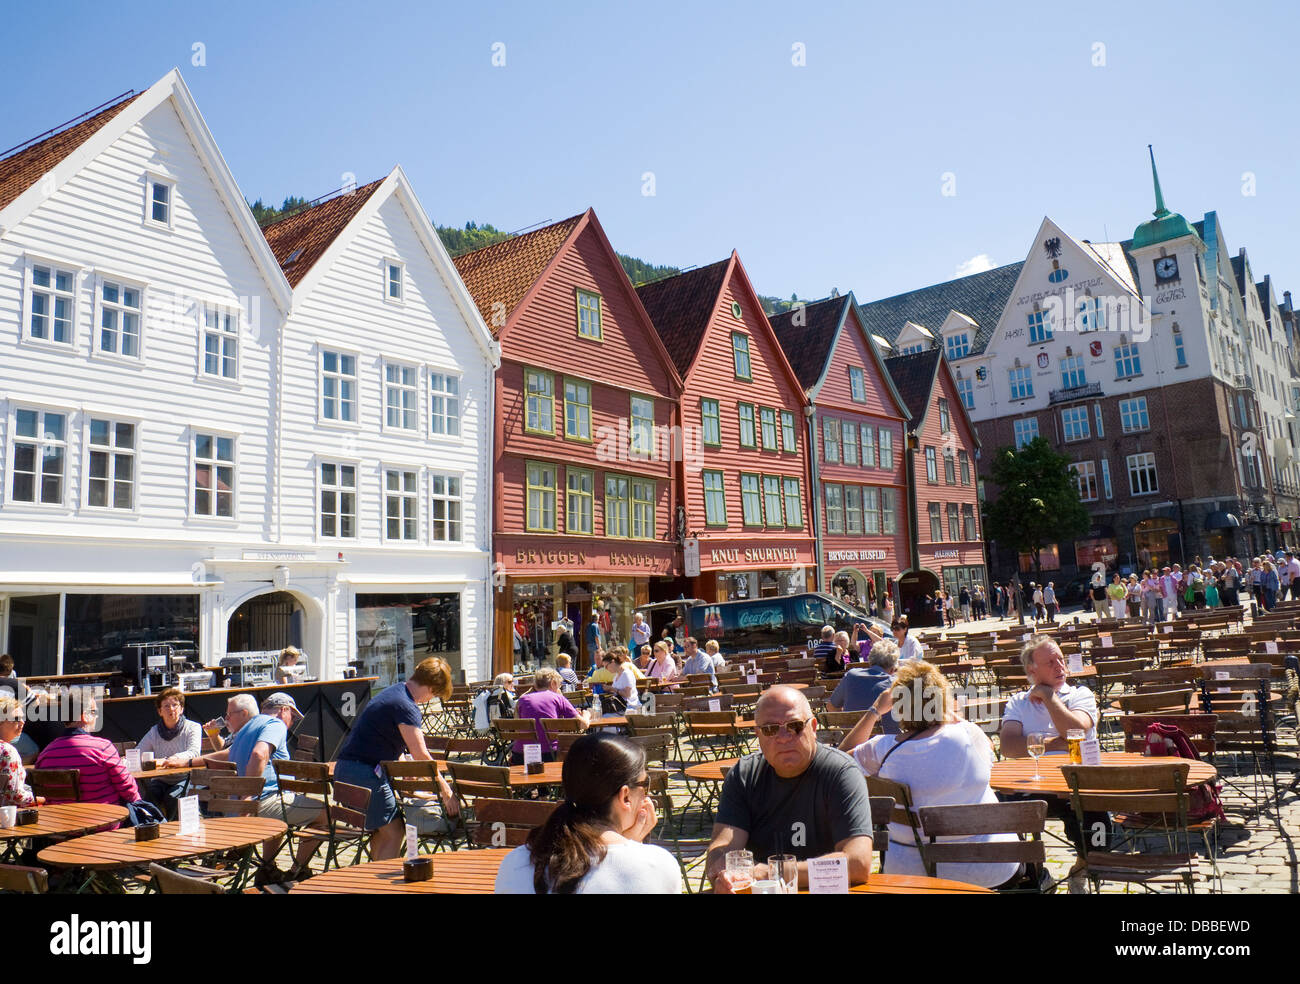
{"points": [[1017, 775], [179, 770], [66, 818], [714, 771], [882, 884], [454, 873], [113, 850], [551, 775], [608, 722]]}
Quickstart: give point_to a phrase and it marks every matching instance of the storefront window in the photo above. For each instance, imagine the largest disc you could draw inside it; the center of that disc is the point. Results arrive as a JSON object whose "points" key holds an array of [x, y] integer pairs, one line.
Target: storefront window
{"points": [[535, 611], [1049, 559], [96, 627], [1151, 539], [851, 587], [396, 631], [1089, 552], [613, 603], [742, 585], [738, 586]]}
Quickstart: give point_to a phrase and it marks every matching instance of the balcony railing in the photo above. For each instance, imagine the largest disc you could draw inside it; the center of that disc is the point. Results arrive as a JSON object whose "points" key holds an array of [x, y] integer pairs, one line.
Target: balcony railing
{"points": [[1074, 393], [1243, 381]]}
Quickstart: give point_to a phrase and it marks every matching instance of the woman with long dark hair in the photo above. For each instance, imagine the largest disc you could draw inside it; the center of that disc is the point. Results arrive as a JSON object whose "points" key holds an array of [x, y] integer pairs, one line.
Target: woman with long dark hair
{"points": [[591, 844]]}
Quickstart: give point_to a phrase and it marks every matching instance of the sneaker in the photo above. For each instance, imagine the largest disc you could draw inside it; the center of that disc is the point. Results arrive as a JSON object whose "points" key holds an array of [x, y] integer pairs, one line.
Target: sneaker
{"points": [[1078, 884]]}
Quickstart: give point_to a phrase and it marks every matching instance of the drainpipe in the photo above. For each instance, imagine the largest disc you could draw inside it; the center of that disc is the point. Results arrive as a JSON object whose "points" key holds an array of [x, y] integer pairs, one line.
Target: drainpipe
{"points": [[814, 491]]}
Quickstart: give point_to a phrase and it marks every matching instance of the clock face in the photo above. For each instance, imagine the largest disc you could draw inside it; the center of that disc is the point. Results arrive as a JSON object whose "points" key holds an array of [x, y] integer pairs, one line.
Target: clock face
{"points": [[1167, 267]]}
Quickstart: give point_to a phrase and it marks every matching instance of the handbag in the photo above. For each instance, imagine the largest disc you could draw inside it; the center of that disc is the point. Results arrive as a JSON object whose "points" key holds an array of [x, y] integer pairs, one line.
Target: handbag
{"points": [[143, 812]]}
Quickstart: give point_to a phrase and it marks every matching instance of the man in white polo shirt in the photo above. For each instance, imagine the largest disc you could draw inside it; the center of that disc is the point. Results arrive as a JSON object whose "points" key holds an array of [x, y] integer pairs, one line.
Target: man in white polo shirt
{"points": [[1293, 575]]}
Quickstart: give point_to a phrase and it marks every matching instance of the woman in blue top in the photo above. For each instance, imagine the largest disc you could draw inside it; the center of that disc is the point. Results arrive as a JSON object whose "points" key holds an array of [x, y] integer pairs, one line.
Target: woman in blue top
{"points": [[389, 725]]}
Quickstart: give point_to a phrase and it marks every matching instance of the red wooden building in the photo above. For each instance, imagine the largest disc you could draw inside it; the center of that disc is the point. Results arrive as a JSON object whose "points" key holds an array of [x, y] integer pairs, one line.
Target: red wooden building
{"points": [[857, 468], [586, 398], [743, 480], [948, 548]]}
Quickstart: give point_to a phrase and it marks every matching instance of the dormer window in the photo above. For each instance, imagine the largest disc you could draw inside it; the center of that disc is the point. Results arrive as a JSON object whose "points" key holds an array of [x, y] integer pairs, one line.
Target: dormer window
{"points": [[958, 345]]}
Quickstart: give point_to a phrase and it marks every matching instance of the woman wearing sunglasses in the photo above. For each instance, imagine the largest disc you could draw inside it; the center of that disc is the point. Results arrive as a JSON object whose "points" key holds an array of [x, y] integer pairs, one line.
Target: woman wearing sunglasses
{"points": [[591, 845]]}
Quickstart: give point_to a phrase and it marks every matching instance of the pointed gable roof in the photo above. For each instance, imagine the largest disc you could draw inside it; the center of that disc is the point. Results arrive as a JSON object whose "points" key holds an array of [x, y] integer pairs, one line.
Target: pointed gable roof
{"points": [[981, 296], [913, 377], [306, 235], [23, 168], [809, 345], [505, 272], [680, 308]]}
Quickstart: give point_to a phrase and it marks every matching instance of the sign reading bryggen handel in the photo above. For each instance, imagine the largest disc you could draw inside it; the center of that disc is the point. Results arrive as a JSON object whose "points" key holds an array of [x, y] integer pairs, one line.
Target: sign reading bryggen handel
{"points": [[844, 556], [582, 559]]}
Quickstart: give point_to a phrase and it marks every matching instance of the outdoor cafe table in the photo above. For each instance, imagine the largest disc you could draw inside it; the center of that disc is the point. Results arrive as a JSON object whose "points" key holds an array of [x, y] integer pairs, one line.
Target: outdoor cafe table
{"points": [[703, 778], [613, 721], [115, 851], [1017, 775], [177, 770], [454, 873], [60, 818]]}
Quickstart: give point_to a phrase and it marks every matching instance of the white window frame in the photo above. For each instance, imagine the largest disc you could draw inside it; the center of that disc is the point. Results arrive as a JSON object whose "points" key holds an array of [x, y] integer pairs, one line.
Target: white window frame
{"points": [[402, 387], [1020, 428], [457, 500], [97, 316], [1101, 427], [570, 494], [417, 496], [1073, 372], [1106, 488], [1076, 424], [966, 393], [153, 178], [1085, 480], [442, 398], [1128, 411], [31, 261], [1131, 358], [389, 263], [1021, 381], [112, 450], [322, 373], [321, 488], [222, 309], [1134, 468], [195, 431], [1040, 325], [857, 384], [63, 505], [643, 428]]}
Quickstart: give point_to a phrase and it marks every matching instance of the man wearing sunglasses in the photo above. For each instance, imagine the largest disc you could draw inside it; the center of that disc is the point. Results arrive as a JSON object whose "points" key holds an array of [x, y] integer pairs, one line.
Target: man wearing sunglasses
{"points": [[794, 796]]}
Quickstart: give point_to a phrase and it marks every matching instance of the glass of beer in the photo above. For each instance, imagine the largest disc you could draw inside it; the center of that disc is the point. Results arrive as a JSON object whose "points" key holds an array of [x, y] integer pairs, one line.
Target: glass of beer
{"points": [[1074, 739], [213, 730], [740, 867]]}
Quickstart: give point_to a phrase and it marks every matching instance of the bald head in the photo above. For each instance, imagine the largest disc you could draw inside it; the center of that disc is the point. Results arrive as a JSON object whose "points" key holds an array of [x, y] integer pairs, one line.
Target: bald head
{"points": [[781, 699]]}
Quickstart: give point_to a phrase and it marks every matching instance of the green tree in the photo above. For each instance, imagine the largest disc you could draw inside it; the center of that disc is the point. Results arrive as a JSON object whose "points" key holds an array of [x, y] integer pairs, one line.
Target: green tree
{"points": [[1037, 500]]}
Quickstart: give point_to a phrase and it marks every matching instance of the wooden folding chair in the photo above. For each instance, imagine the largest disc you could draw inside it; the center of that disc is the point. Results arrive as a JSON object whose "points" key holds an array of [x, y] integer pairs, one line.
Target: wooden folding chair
{"points": [[902, 812], [168, 882], [882, 807], [1024, 819], [507, 822], [714, 733], [304, 749], [56, 785], [416, 788], [23, 880], [471, 782]]}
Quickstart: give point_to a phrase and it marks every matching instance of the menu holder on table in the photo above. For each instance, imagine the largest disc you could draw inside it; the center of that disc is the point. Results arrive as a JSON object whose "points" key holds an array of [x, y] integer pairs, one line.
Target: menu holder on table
{"points": [[715, 704], [1270, 648], [133, 760], [828, 875], [1091, 749], [533, 760], [188, 812], [1076, 663]]}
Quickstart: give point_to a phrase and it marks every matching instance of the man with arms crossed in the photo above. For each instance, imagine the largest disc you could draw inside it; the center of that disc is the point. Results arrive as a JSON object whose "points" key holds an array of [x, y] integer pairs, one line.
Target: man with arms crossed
{"points": [[795, 796]]}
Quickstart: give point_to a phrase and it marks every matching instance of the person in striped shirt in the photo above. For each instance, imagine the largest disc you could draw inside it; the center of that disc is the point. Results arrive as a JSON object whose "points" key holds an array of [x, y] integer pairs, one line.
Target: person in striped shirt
{"points": [[104, 777]]}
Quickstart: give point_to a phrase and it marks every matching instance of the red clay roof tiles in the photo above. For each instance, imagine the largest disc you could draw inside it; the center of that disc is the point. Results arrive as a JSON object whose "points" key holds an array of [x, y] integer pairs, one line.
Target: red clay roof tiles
{"points": [[310, 232]]}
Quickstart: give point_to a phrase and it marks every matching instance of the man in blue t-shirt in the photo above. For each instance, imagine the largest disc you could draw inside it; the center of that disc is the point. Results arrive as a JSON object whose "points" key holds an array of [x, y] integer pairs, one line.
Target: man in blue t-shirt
{"points": [[258, 740]]}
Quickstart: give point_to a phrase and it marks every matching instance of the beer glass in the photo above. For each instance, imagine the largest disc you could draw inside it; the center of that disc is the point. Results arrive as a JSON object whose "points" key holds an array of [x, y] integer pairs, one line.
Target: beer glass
{"points": [[740, 867], [1074, 739]]}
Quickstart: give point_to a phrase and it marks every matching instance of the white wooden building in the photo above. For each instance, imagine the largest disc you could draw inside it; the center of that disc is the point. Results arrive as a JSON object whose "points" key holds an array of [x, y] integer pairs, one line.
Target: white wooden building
{"points": [[160, 408]]}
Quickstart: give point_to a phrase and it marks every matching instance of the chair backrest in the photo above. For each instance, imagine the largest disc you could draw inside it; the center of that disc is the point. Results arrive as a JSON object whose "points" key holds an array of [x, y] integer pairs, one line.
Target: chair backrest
{"points": [[473, 781], [27, 881], [841, 719], [516, 729], [507, 822], [1199, 729], [725, 701], [348, 806], [709, 718], [1214, 672], [304, 749], [802, 663], [656, 745], [1160, 787], [882, 808], [122, 747], [56, 785], [669, 702], [473, 747], [307, 778], [565, 742], [643, 723], [1175, 701], [1023, 819], [902, 811], [232, 796], [409, 778], [1167, 676], [170, 882], [561, 726]]}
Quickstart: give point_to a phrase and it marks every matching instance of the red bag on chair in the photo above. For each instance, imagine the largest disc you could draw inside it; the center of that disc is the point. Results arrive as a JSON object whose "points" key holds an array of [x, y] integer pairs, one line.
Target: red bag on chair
{"points": [[1170, 740]]}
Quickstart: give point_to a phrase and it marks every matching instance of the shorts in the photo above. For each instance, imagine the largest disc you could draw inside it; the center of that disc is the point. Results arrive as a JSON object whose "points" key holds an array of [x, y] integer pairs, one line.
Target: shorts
{"points": [[383, 804], [295, 810]]}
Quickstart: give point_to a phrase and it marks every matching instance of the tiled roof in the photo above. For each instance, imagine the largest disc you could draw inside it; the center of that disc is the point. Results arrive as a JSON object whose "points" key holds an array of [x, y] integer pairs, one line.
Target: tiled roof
{"points": [[504, 272], [680, 307], [20, 170], [808, 346], [981, 296], [1239, 271], [913, 377], [306, 235]]}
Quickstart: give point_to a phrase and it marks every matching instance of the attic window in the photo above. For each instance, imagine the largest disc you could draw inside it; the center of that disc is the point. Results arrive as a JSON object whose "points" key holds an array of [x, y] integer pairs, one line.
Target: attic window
{"points": [[736, 311], [293, 257], [158, 201], [394, 286]]}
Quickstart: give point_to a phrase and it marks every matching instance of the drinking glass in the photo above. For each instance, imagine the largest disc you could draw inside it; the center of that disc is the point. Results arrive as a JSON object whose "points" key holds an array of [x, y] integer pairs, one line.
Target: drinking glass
{"points": [[1035, 748], [740, 867], [785, 869]]}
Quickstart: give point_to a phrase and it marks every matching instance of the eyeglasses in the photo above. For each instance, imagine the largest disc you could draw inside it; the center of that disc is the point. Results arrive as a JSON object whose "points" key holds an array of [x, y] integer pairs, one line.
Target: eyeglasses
{"points": [[795, 727], [640, 784]]}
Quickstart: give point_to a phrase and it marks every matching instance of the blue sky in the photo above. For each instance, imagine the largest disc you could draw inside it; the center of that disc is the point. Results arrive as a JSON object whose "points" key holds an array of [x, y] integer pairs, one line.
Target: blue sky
{"points": [[827, 174]]}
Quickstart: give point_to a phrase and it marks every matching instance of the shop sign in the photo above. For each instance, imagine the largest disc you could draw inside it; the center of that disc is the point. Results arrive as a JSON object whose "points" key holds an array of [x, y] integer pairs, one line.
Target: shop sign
{"points": [[946, 554], [632, 560], [846, 556], [691, 556], [574, 557], [278, 555], [755, 555]]}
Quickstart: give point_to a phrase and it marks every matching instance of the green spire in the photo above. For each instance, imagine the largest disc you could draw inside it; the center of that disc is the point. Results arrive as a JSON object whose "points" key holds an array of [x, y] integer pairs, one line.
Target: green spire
{"points": [[1160, 211]]}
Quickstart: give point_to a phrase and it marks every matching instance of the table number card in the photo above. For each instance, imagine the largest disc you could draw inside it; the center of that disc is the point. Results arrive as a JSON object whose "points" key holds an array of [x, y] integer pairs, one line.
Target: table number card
{"points": [[828, 875], [412, 841], [1025, 637], [1091, 749], [1107, 642], [1220, 674], [1076, 663], [1270, 648], [752, 678], [133, 760], [189, 815], [715, 704], [532, 754], [1168, 629]]}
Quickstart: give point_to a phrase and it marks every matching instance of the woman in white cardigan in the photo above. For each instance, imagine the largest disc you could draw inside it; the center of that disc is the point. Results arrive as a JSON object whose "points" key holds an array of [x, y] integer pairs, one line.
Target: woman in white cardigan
{"points": [[174, 740]]}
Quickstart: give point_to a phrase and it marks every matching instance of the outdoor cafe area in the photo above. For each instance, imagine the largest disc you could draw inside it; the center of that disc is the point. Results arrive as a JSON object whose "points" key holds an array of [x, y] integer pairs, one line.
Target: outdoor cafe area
{"points": [[1227, 680]]}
